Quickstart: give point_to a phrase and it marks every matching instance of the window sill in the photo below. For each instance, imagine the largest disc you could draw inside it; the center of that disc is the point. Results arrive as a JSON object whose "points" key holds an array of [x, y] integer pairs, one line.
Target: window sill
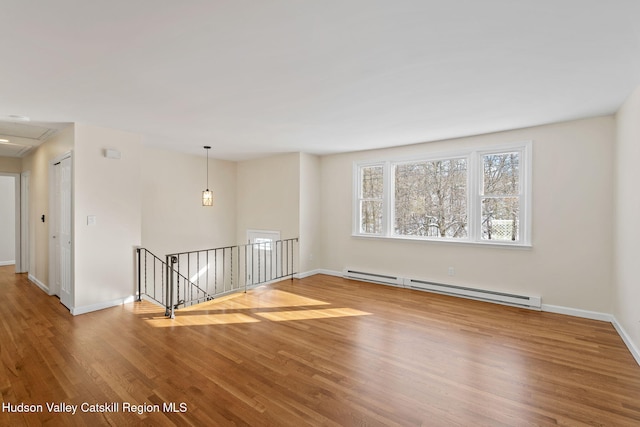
{"points": [[445, 241]]}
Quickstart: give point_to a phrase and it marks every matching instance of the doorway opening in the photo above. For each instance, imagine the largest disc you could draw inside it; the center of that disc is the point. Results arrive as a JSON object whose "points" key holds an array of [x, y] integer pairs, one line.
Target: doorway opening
{"points": [[13, 211], [10, 220], [262, 259]]}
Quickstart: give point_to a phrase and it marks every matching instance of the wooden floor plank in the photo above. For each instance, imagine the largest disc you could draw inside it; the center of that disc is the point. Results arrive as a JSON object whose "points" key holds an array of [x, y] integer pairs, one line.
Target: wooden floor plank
{"points": [[317, 351]]}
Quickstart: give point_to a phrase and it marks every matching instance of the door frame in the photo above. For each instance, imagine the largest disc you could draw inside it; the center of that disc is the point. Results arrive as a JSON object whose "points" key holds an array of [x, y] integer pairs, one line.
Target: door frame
{"points": [[25, 257]]}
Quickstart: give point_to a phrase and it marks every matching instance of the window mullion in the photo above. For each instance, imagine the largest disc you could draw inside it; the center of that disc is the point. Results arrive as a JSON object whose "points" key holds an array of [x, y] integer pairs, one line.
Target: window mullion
{"points": [[522, 214], [388, 201], [474, 183]]}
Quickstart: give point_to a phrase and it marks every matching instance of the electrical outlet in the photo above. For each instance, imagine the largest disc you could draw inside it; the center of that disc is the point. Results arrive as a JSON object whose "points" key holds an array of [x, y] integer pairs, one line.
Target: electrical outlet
{"points": [[452, 271]]}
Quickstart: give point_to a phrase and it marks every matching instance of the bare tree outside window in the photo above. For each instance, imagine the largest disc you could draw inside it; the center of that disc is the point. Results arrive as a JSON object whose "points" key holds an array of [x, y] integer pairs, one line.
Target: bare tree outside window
{"points": [[371, 197], [501, 196], [431, 199]]}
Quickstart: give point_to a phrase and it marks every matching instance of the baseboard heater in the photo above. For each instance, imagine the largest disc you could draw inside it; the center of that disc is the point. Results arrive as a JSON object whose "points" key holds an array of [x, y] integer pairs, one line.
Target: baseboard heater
{"points": [[374, 277], [479, 294], [441, 288]]}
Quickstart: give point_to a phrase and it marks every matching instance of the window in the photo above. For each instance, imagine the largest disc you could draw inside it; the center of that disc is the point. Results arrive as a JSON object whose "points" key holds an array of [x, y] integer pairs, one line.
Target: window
{"points": [[431, 198], [501, 196], [370, 199], [479, 196]]}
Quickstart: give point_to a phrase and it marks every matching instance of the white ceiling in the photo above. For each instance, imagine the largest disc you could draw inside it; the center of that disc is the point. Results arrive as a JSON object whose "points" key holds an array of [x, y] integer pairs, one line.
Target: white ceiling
{"points": [[257, 77]]}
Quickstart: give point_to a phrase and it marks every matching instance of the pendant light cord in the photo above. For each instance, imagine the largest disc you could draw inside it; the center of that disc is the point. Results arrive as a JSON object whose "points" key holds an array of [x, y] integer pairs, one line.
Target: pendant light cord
{"points": [[207, 148]]}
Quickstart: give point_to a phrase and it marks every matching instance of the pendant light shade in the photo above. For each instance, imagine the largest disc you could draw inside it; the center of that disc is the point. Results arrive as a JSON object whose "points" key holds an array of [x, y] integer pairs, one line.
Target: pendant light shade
{"points": [[207, 195], [207, 198]]}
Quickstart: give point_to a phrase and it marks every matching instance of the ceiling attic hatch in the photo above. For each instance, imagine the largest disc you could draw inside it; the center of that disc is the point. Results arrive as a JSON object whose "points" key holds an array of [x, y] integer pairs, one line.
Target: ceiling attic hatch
{"points": [[17, 139]]}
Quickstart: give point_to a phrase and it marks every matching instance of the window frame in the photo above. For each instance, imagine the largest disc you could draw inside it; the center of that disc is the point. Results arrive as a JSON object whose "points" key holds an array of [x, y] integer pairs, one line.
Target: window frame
{"points": [[475, 169], [358, 199]]}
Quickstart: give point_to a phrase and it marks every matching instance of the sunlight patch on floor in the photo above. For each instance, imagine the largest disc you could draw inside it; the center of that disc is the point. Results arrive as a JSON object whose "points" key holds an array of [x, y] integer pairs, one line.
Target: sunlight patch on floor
{"points": [[202, 320], [276, 298], [290, 305], [323, 313], [256, 299]]}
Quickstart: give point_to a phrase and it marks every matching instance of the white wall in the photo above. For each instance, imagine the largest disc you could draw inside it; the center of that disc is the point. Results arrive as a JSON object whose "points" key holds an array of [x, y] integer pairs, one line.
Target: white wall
{"points": [[7, 220], [174, 219], [570, 263], [109, 189], [10, 165], [310, 239], [269, 196], [627, 227]]}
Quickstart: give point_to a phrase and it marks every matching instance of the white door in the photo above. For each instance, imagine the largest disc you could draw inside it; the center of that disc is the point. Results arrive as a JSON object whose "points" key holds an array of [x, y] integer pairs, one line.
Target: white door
{"points": [[262, 265], [61, 224]]}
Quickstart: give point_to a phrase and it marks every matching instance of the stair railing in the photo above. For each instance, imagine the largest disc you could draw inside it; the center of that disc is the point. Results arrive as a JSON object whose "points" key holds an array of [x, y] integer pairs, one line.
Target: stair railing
{"points": [[197, 276], [154, 276]]}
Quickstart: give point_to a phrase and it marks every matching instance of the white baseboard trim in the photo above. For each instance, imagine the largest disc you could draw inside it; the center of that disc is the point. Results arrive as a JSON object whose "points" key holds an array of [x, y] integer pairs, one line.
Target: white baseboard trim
{"points": [[318, 271], [305, 274], [3, 263], [101, 305], [635, 352], [576, 312], [38, 283]]}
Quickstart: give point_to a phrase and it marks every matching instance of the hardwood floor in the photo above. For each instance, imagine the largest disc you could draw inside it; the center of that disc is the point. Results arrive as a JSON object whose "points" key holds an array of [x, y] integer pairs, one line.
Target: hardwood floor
{"points": [[317, 351]]}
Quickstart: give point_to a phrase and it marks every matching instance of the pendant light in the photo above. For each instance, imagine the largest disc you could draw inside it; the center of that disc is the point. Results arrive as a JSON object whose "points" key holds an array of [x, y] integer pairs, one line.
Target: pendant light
{"points": [[207, 196]]}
